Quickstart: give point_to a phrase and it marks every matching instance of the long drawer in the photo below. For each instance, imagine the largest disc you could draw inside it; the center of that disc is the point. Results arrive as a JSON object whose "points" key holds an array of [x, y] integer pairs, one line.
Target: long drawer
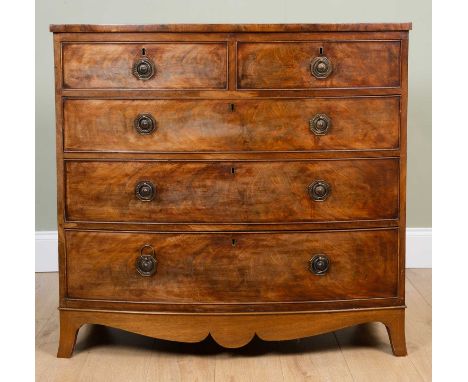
{"points": [[231, 192], [232, 125], [184, 65], [318, 64], [226, 268]]}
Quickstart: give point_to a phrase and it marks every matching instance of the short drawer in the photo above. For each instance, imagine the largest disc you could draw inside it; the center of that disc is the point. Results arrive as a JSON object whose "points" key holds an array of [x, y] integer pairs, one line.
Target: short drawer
{"points": [[229, 268], [144, 66], [231, 192], [318, 64], [362, 123]]}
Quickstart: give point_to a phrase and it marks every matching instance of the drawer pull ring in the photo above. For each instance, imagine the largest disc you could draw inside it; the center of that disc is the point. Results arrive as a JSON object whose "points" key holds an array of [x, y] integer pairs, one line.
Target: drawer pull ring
{"points": [[146, 263], [145, 124], [145, 191], [319, 190], [143, 69], [319, 264], [321, 67], [320, 124]]}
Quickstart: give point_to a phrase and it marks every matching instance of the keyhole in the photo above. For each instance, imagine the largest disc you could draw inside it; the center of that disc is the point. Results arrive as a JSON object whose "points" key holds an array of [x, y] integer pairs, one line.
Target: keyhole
{"points": [[233, 170], [234, 242], [321, 50], [231, 107], [143, 52]]}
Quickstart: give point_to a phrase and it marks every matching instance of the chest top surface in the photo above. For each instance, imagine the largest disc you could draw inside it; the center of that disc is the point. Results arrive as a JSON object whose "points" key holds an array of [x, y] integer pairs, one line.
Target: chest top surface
{"points": [[226, 28]]}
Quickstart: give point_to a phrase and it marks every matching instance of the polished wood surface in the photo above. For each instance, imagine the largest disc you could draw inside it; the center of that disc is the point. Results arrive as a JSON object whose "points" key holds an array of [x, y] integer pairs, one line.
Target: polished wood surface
{"points": [[287, 65], [226, 268], [231, 331], [362, 352], [231, 159], [227, 28], [231, 125], [177, 66], [233, 307], [231, 192]]}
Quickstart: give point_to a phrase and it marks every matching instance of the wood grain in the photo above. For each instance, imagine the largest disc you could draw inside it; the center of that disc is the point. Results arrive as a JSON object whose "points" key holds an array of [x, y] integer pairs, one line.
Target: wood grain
{"points": [[419, 320], [178, 66], [211, 125], [230, 331], [368, 342], [228, 28], [224, 177], [47, 286], [178, 94], [226, 268], [421, 279], [210, 192], [228, 308], [110, 355], [286, 65]]}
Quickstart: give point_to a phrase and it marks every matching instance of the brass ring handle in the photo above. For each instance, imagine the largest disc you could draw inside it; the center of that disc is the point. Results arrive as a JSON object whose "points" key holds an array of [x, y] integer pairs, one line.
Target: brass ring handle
{"points": [[146, 263], [143, 69], [145, 191], [144, 124], [319, 264], [320, 124], [319, 190], [321, 67]]}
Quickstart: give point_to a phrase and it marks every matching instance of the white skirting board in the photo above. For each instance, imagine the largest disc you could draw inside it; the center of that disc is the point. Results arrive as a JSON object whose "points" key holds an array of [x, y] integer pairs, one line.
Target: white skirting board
{"points": [[418, 249], [46, 251]]}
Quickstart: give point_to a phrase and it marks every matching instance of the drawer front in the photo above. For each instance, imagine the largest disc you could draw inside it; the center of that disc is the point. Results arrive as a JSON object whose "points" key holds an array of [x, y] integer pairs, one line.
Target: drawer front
{"points": [[209, 268], [168, 66], [231, 192], [299, 65], [232, 125]]}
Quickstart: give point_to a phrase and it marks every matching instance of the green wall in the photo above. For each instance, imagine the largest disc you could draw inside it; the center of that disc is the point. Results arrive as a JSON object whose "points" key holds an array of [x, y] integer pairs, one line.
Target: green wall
{"points": [[419, 211]]}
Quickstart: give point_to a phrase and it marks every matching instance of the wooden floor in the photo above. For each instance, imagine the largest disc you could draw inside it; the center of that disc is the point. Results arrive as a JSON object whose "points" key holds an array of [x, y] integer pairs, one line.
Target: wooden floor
{"points": [[355, 354]]}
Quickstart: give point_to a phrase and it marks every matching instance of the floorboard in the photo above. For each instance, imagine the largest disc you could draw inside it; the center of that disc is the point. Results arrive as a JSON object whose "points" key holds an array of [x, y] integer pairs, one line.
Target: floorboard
{"points": [[422, 281]]}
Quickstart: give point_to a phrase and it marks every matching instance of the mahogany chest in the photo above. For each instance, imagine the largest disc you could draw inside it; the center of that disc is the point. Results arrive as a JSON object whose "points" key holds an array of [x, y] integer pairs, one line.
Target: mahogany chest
{"points": [[231, 180]]}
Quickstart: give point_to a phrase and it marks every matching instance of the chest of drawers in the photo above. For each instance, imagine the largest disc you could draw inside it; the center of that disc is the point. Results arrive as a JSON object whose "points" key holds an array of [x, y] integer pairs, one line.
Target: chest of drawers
{"points": [[231, 180]]}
